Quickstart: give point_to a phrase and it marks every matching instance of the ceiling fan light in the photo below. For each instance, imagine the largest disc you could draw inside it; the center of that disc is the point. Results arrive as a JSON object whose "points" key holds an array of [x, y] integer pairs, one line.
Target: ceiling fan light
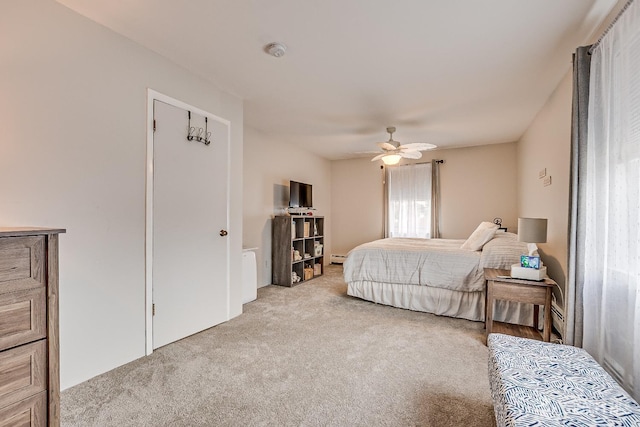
{"points": [[391, 159]]}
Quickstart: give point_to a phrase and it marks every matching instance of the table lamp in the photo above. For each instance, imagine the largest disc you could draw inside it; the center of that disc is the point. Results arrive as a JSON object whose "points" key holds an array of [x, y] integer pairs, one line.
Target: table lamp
{"points": [[531, 231]]}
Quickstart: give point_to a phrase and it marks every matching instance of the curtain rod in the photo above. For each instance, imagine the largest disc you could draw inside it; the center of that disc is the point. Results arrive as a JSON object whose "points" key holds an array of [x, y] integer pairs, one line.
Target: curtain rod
{"points": [[597, 43], [426, 163]]}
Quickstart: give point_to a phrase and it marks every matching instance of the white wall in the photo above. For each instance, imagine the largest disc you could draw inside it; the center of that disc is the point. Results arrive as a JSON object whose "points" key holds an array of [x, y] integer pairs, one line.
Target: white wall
{"points": [[269, 165], [477, 184], [547, 144], [72, 154], [357, 203]]}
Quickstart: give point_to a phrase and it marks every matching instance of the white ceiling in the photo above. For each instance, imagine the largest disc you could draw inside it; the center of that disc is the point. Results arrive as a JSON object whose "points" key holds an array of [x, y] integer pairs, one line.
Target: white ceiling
{"points": [[449, 72]]}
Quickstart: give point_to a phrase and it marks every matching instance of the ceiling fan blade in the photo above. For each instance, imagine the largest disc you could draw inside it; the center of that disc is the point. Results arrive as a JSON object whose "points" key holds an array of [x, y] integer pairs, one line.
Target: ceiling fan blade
{"points": [[378, 157], [386, 146], [418, 146], [410, 154]]}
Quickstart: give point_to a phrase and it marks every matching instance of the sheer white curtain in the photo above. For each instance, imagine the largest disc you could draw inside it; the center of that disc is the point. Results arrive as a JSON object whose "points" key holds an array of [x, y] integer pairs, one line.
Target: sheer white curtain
{"points": [[612, 223], [409, 201]]}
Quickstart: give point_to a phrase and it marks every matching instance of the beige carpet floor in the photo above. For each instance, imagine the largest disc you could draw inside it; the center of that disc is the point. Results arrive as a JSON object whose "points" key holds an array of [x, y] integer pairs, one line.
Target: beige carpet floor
{"points": [[303, 356]]}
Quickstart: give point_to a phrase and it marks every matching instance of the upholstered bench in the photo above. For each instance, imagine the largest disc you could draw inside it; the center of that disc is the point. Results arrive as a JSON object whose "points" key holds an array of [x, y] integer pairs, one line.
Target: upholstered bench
{"points": [[535, 383]]}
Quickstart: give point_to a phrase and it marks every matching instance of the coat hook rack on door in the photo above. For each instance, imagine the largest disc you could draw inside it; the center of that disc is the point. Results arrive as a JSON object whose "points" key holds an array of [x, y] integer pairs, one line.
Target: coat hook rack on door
{"points": [[196, 134]]}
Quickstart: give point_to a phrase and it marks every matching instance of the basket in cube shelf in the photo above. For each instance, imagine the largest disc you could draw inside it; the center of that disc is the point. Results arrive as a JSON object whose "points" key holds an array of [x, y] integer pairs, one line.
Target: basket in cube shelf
{"points": [[317, 249], [317, 269], [308, 273]]}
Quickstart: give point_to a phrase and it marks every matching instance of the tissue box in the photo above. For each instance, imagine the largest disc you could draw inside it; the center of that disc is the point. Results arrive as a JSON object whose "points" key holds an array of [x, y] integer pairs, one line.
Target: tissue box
{"points": [[526, 273]]}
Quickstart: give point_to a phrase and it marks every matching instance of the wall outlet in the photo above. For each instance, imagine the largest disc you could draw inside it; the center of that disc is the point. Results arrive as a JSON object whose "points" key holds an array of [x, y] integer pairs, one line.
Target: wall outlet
{"points": [[547, 181], [542, 173]]}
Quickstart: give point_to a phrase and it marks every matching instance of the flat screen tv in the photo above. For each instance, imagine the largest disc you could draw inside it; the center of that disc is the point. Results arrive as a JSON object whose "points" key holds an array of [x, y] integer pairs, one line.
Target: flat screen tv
{"points": [[300, 195]]}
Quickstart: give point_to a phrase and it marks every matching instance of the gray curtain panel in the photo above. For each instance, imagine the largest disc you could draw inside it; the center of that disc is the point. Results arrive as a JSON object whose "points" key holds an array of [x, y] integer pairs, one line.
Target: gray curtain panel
{"points": [[573, 307], [435, 199]]}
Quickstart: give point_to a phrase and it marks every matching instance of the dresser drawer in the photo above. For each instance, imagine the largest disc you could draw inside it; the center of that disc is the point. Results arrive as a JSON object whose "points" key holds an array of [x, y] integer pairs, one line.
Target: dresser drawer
{"points": [[22, 317], [22, 263], [30, 412], [23, 372]]}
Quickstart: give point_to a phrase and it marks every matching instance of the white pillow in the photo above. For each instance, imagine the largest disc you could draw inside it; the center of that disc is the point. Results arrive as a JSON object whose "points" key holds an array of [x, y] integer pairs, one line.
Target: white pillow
{"points": [[501, 252], [485, 232]]}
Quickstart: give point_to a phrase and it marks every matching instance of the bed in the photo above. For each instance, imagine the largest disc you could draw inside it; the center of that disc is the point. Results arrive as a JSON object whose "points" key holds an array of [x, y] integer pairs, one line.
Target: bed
{"points": [[437, 276]]}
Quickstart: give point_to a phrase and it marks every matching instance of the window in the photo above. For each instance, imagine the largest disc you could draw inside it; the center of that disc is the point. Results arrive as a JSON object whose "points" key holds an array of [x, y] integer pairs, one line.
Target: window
{"points": [[409, 201], [612, 191]]}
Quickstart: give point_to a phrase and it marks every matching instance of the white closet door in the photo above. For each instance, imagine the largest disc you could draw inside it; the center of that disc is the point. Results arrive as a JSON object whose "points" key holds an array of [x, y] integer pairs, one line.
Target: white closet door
{"points": [[190, 205]]}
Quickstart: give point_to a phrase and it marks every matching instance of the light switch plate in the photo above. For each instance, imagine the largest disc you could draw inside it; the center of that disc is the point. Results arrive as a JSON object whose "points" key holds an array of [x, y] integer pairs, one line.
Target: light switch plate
{"points": [[547, 181], [542, 173]]}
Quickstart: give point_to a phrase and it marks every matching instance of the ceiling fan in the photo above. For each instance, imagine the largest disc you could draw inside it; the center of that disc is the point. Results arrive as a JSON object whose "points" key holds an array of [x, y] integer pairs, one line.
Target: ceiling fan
{"points": [[393, 151]]}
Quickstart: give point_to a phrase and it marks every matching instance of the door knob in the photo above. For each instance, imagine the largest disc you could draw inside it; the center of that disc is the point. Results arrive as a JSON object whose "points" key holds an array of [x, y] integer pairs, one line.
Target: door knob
{"points": [[223, 233]]}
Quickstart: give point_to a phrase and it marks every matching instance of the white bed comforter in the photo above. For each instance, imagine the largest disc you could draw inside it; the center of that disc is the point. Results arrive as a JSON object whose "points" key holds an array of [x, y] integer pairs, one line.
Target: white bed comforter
{"points": [[437, 263]]}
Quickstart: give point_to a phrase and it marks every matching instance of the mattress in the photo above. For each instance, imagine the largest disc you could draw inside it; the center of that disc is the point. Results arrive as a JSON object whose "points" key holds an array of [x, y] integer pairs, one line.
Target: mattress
{"points": [[438, 263], [434, 276]]}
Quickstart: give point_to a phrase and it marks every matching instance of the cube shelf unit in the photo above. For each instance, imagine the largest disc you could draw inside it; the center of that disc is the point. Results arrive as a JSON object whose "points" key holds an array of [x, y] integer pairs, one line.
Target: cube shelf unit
{"points": [[301, 233]]}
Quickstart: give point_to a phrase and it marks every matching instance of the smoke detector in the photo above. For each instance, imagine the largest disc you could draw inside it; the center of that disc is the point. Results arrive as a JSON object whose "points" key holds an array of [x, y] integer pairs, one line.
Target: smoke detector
{"points": [[276, 49]]}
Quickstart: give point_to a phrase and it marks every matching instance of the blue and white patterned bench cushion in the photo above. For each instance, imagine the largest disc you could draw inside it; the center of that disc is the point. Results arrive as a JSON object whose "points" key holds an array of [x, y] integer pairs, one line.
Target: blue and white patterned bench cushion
{"points": [[535, 383]]}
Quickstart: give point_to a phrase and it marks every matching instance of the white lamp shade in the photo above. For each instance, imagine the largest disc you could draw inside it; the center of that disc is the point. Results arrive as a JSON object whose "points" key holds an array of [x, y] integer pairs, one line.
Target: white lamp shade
{"points": [[391, 159], [532, 230]]}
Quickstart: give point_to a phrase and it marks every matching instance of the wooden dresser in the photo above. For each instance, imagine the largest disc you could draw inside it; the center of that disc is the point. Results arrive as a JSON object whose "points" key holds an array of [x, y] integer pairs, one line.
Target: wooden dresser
{"points": [[29, 341]]}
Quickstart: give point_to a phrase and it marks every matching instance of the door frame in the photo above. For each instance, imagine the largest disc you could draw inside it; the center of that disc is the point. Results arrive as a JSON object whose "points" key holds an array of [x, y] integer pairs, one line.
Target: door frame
{"points": [[152, 96]]}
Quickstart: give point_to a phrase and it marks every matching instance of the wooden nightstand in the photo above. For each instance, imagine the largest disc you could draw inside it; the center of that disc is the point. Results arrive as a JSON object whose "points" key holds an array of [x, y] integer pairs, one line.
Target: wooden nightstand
{"points": [[518, 290]]}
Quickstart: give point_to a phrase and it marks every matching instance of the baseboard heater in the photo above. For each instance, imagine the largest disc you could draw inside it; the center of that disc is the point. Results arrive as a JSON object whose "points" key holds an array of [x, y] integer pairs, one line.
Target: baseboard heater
{"points": [[557, 316], [338, 258]]}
